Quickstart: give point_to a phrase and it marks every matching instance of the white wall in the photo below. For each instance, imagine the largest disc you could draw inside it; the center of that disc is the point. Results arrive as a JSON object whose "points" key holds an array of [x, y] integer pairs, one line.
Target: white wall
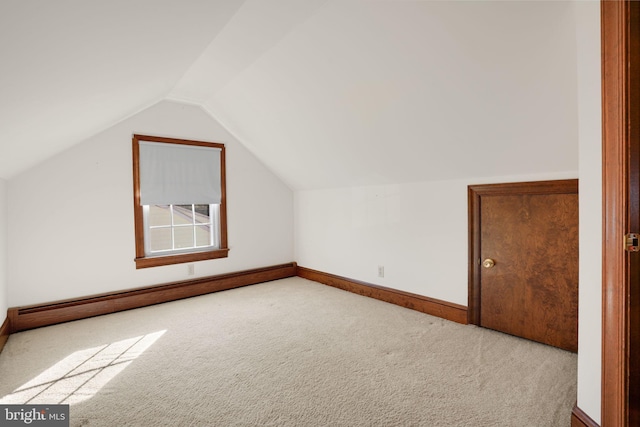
{"points": [[417, 231], [70, 218], [3, 250], [590, 160], [392, 92], [407, 210]]}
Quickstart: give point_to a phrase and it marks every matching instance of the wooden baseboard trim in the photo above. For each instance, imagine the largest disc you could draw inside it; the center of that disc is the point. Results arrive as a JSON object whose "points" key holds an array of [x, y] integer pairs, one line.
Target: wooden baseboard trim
{"points": [[34, 316], [446, 310], [580, 419], [4, 332]]}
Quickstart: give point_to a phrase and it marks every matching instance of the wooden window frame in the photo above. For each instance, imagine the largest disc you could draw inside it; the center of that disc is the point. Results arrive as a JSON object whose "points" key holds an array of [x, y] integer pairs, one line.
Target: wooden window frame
{"points": [[143, 261]]}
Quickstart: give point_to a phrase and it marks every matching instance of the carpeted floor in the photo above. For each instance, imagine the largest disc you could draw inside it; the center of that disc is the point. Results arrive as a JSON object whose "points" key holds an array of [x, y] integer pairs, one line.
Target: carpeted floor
{"points": [[287, 353]]}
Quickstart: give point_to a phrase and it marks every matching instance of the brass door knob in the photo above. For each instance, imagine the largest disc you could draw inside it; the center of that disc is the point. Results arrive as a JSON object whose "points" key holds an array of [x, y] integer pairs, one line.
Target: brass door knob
{"points": [[488, 263]]}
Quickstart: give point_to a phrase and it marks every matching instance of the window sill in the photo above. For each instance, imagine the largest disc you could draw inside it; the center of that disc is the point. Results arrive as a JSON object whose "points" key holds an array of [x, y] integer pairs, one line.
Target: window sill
{"points": [[157, 261]]}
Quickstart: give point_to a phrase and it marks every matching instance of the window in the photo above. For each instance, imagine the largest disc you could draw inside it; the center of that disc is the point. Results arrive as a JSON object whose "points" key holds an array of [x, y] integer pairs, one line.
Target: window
{"points": [[179, 200], [180, 228]]}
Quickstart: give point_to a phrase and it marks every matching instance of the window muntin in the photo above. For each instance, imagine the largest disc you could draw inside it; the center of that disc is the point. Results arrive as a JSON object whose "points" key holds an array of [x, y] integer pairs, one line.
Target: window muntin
{"points": [[184, 232]]}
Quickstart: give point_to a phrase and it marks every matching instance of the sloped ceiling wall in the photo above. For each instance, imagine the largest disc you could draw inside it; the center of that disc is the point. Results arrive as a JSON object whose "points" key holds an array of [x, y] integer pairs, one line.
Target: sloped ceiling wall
{"points": [[328, 93], [381, 92], [71, 68]]}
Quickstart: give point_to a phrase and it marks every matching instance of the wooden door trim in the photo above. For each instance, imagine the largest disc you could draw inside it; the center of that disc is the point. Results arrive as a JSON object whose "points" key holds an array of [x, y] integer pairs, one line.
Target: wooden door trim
{"points": [[620, 86], [474, 195]]}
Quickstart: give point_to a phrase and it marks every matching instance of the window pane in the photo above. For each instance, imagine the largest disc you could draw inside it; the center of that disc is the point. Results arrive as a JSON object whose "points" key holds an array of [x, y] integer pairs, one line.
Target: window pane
{"points": [[182, 214], [183, 237], [203, 235], [159, 215], [202, 214], [160, 239]]}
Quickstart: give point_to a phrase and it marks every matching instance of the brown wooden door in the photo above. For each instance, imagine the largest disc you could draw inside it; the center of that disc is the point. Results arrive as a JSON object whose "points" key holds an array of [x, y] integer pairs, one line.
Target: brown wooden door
{"points": [[633, 196], [530, 233], [621, 213]]}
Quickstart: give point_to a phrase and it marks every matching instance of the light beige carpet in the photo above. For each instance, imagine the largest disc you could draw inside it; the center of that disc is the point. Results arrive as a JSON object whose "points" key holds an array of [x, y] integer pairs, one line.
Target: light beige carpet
{"points": [[287, 353]]}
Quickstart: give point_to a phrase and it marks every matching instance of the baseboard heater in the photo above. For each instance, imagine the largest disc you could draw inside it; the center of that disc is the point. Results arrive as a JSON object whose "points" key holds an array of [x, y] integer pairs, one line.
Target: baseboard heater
{"points": [[35, 316]]}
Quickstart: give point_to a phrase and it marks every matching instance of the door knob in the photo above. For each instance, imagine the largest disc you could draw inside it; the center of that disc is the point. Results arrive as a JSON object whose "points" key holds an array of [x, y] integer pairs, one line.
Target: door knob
{"points": [[488, 263]]}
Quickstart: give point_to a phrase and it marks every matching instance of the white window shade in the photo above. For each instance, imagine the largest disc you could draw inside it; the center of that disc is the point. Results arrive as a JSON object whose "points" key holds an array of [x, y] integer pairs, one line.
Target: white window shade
{"points": [[179, 174]]}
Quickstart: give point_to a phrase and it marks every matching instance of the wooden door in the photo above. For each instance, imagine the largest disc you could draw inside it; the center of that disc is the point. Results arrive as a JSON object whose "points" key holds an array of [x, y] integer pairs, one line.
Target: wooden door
{"points": [[633, 226], [621, 213], [525, 260]]}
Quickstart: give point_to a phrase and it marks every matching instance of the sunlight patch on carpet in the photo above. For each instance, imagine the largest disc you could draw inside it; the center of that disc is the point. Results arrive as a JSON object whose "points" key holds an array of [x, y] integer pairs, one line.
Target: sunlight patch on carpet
{"points": [[81, 375]]}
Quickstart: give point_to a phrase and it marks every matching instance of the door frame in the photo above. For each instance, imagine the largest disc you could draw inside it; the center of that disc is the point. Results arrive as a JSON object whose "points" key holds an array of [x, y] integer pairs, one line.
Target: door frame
{"points": [[474, 196], [620, 147]]}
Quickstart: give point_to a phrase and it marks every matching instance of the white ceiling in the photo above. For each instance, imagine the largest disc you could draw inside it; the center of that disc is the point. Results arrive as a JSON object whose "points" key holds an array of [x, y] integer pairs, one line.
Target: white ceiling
{"points": [[327, 93], [71, 68]]}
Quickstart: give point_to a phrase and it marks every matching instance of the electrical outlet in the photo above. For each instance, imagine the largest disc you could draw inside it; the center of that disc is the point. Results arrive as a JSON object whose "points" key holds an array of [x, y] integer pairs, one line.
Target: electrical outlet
{"points": [[191, 269], [381, 271]]}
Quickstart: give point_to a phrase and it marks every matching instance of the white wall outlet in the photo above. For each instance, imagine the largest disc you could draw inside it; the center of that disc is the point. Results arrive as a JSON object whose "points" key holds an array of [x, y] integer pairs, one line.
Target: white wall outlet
{"points": [[191, 269], [381, 271]]}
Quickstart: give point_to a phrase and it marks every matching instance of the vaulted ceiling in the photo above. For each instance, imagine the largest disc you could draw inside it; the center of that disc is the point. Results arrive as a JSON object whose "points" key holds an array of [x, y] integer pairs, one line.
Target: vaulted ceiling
{"points": [[327, 93]]}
